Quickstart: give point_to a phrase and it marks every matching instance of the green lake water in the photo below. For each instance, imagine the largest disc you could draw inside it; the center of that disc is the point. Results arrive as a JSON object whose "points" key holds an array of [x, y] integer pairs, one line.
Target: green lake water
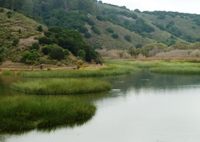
{"points": [[142, 107]]}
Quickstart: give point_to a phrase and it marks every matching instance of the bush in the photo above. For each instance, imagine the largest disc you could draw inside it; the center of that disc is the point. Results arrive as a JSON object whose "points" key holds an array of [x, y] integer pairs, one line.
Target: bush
{"points": [[35, 46], [39, 28], [110, 30], [29, 57], [1, 58], [100, 18], [81, 54], [96, 30], [57, 53], [128, 38], [66, 52], [1, 10], [15, 42], [9, 14], [46, 50], [87, 35], [116, 36]]}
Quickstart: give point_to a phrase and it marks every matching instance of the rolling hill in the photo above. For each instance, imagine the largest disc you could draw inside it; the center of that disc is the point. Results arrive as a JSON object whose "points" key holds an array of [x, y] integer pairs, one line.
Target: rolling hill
{"points": [[104, 26]]}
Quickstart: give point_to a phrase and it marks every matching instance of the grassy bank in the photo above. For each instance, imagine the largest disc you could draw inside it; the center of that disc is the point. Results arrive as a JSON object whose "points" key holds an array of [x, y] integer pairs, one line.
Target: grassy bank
{"points": [[59, 86], [22, 113]]}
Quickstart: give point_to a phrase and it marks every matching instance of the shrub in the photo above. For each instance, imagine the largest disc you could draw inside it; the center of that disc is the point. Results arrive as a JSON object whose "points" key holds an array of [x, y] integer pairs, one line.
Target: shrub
{"points": [[1, 10], [116, 36], [81, 54], [110, 30], [87, 35], [66, 52], [9, 14], [15, 42], [1, 58], [46, 50], [96, 30], [128, 38], [29, 57], [40, 28], [35, 46], [57, 53], [100, 18]]}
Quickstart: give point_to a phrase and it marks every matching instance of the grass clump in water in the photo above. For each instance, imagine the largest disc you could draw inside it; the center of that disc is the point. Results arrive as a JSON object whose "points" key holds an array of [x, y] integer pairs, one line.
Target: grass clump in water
{"points": [[58, 86], [22, 113]]}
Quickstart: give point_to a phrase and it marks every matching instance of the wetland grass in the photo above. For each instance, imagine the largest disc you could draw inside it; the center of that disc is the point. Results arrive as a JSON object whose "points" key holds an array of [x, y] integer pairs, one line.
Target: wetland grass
{"points": [[23, 113], [111, 70], [58, 86]]}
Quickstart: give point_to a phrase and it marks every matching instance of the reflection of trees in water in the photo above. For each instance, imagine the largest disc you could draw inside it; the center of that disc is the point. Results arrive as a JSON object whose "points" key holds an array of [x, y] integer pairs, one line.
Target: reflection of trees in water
{"points": [[2, 138], [147, 80]]}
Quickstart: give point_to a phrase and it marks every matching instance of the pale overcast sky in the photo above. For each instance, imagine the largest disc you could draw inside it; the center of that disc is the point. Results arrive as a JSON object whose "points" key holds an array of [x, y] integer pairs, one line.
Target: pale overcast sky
{"points": [[186, 6]]}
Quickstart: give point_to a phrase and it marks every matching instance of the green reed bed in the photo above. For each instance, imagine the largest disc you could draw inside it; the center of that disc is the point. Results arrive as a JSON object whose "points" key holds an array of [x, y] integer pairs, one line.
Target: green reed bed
{"points": [[107, 71], [176, 70], [54, 86], [22, 113]]}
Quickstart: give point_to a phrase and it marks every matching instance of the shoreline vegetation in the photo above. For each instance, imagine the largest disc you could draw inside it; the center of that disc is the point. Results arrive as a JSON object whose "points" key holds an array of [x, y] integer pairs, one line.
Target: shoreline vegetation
{"points": [[47, 109], [23, 113]]}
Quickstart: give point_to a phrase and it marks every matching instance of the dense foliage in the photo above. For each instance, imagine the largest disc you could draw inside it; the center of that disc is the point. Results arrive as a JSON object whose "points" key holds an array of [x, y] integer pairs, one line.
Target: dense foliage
{"points": [[67, 39]]}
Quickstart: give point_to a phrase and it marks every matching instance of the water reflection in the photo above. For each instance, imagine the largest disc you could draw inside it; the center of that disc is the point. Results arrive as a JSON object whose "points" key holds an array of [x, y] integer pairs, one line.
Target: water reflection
{"points": [[147, 80]]}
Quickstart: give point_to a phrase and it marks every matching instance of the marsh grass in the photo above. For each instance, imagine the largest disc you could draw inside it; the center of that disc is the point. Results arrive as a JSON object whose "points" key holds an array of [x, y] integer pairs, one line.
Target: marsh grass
{"points": [[58, 86], [176, 70], [22, 113], [111, 70]]}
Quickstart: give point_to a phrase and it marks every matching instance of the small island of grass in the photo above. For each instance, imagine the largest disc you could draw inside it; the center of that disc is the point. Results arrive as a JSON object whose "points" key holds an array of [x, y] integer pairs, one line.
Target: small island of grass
{"points": [[58, 86]]}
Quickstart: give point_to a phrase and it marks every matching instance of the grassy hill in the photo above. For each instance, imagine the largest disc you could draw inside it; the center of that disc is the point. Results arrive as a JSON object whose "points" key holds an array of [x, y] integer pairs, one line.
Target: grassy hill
{"points": [[17, 32], [103, 26]]}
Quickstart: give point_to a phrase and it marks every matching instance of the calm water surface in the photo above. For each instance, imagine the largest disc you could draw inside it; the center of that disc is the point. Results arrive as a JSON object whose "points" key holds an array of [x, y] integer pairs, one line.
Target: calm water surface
{"points": [[141, 108]]}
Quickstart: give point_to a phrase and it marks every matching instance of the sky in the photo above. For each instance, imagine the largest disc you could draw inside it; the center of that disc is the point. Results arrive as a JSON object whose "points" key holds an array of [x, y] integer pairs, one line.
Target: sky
{"points": [[185, 6]]}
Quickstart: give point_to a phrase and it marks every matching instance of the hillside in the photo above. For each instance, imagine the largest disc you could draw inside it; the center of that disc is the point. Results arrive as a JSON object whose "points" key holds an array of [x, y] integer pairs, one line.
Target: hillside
{"points": [[24, 40], [106, 26], [16, 33]]}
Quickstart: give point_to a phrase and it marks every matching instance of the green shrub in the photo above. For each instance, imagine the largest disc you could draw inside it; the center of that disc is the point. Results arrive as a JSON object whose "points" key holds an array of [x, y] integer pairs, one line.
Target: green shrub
{"points": [[116, 36], [110, 30], [1, 58], [81, 54], [35, 46], [46, 50], [87, 35], [40, 28], [96, 30], [57, 53], [66, 52], [9, 14], [128, 38], [15, 42], [100, 18], [1, 10]]}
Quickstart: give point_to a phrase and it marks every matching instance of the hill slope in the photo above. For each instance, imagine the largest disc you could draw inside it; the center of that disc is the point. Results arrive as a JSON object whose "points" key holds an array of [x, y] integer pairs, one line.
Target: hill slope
{"points": [[112, 27], [17, 32]]}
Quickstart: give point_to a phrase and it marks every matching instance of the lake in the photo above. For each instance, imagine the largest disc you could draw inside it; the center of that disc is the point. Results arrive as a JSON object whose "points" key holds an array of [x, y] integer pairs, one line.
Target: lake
{"points": [[142, 107]]}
